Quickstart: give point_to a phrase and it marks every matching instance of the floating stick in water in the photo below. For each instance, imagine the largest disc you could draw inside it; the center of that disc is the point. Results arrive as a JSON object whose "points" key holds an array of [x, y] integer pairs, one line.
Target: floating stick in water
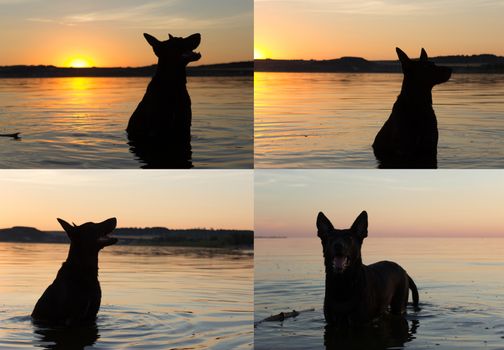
{"points": [[282, 316], [14, 135]]}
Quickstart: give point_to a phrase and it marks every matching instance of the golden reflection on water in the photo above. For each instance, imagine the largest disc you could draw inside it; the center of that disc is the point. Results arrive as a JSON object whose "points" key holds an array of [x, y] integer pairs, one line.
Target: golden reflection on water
{"points": [[162, 271], [152, 296], [79, 83], [80, 122], [329, 120]]}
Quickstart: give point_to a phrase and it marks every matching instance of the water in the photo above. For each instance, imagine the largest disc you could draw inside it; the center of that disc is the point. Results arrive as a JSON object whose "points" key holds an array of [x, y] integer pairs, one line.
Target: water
{"points": [[81, 122], [330, 120], [153, 298], [460, 283]]}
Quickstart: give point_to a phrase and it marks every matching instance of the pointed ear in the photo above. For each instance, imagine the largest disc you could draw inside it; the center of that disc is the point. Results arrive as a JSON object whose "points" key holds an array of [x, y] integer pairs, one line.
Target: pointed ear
{"points": [[324, 226], [170, 36], [360, 225], [402, 56], [151, 40], [423, 55], [66, 226], [108, 225]]}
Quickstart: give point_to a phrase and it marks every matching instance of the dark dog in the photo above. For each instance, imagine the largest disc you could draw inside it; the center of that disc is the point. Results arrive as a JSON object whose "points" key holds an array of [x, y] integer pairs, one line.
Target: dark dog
{"points": [[164, 114], [355, 293], [409, 137], [75, 295]]}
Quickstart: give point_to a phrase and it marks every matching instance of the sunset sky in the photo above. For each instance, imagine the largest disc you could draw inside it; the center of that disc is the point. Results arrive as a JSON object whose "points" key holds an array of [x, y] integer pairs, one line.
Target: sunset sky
{"points": [[109, 33], [399, 202], [173, 199], [324, 29]]}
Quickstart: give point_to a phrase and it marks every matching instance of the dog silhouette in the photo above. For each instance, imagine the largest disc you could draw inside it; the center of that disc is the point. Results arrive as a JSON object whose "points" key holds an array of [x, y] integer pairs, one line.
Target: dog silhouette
{"points": [[164, 114], [409, 137], [74, 297], [356, 294]]}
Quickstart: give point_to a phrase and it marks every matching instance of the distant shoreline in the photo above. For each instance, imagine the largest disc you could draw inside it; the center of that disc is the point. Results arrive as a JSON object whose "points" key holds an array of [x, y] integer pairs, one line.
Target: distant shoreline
{"points": [[487, 64], [390, 236], [233, 69], [155, 236]]}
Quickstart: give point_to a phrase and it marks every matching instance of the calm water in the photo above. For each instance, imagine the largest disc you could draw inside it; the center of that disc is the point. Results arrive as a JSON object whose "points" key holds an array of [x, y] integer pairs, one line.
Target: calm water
{"points": [[153, 298], [81, 122], [329, 120], [460, 280]]}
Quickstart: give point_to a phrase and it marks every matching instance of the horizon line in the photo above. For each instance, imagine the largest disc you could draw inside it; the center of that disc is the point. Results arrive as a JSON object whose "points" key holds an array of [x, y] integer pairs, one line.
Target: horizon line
{"points": [[124, 67], [381, 59], [133, 227], [383, 236]]}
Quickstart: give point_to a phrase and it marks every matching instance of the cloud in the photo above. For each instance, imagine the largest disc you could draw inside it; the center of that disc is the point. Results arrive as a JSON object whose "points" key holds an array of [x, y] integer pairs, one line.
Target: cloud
{"points": [[52, 177], [383, 7], [16, 2], [152, 15]]}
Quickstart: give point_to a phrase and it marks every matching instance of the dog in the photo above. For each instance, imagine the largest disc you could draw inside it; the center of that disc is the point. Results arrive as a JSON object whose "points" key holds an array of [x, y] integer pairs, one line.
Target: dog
{"points": [[164, 114], [356, 294], [409, 137], [74, 298]]}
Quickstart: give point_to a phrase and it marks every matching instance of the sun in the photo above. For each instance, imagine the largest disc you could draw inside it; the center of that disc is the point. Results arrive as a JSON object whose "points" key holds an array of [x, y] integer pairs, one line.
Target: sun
{"points": [[258, 54], [79, 62]]}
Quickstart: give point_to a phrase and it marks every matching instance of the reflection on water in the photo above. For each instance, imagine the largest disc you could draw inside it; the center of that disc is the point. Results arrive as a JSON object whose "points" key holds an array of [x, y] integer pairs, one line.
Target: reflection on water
{"points": [[460, 284], [81, 122], [162, 155], [153, 298], [329, 120], [66, 338], [389, 332]]}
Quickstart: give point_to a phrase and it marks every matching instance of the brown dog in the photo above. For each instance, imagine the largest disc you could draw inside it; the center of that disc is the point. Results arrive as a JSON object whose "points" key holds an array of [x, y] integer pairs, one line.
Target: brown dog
{"points": [[355, 293]]}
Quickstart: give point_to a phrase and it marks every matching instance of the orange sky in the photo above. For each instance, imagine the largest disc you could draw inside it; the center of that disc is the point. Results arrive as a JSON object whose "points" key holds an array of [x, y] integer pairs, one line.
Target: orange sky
{"points": [[173, 199], [109, 33], [400, 203], [322, 29]]}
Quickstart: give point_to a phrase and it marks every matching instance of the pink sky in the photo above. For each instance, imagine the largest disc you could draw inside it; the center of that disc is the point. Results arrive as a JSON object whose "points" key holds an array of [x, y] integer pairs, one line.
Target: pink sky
{"points": [[399, 202], [173, 199]]}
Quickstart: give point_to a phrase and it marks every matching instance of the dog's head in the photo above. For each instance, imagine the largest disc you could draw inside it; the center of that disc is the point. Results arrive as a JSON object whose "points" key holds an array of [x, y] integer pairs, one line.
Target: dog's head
{"points": [[342, 248], [423, 72], [176, 50], [90, 238]]}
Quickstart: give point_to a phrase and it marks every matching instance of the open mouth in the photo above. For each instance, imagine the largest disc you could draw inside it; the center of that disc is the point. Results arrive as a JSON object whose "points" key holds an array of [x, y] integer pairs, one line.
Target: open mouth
{"points": [[192, 42], [191, 56], [340, 263], [107, 227]]}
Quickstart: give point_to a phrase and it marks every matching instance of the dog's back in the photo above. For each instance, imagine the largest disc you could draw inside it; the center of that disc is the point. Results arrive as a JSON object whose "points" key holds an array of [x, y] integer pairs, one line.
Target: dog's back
{"points": [[73, 298], [75, 295], [164, 112], [409, 137], [392, 285]]}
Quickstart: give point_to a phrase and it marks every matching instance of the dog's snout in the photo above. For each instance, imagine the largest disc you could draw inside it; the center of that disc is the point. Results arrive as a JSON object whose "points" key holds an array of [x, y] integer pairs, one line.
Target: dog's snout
{"points": [[443, 75], [448, 73], [338, 248]]}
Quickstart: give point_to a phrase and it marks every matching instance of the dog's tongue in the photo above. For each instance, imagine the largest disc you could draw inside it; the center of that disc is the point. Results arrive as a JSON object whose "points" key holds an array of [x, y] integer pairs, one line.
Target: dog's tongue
{"points": [[339, 262]]}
